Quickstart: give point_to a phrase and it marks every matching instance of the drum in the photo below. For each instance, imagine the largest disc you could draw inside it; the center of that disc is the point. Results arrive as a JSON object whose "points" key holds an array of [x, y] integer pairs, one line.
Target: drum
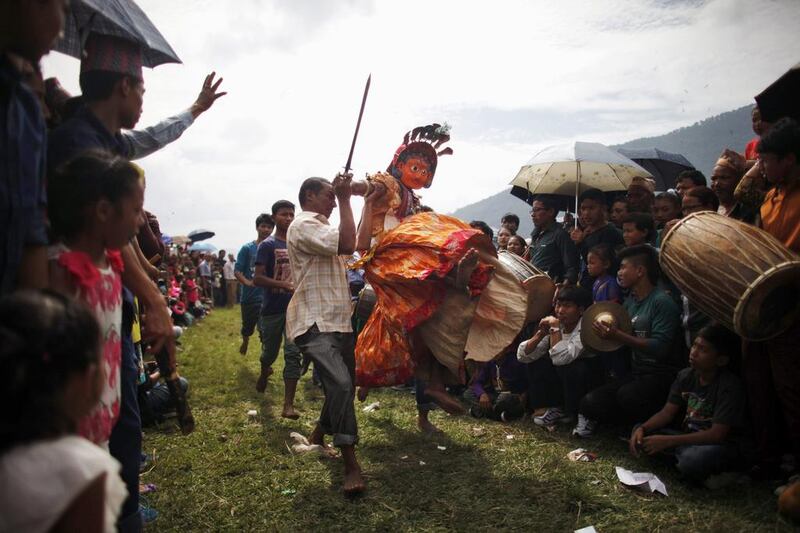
{"points": [[735, 273], [538, 285], [366, 301]]}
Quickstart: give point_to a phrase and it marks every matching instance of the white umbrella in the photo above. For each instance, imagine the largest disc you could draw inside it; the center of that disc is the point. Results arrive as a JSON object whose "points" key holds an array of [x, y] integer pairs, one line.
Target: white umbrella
{"points": [[570, 169]]}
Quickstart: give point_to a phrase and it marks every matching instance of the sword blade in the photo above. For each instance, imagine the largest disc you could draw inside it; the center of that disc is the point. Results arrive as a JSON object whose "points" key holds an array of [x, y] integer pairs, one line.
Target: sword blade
{"points": [[358, 125]]}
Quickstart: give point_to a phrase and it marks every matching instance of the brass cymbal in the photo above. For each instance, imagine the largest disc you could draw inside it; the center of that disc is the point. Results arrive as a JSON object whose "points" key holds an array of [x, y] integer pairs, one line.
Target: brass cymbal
{"points": [[609, 313]]}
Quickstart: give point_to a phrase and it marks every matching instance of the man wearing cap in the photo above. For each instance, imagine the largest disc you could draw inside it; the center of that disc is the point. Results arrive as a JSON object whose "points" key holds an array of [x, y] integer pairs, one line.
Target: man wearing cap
{"points": [[728, 170], [641, 195], [113, 88], [27, 31]]}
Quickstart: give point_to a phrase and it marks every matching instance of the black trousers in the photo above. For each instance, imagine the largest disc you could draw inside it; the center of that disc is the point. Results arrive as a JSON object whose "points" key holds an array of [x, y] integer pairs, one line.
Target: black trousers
{"points": [[551, 386], [630, 399]]}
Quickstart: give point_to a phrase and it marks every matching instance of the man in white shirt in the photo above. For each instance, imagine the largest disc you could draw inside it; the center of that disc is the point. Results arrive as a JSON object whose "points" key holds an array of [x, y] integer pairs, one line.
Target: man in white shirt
{"points": [[560, 370], [318, 316], [228, 272]]}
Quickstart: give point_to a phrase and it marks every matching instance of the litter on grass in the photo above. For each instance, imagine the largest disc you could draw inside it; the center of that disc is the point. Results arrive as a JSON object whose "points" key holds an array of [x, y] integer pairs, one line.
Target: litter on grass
{"points": [[371, 407], [641, 481], [581, 455], [441, 448]]}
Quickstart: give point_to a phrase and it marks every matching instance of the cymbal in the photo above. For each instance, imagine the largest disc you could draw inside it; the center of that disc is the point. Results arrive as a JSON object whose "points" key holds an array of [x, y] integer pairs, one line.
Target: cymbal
{"points": [[540, 296], [606, 312]]}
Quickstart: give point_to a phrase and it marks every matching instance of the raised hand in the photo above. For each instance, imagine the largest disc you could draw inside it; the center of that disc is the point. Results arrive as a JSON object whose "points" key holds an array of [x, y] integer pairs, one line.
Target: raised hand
{"points": [[208, 95]]}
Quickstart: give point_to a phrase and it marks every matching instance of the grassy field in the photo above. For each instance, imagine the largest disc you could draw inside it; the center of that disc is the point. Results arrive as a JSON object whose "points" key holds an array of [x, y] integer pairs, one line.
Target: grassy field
{"points": [[234, 474]]}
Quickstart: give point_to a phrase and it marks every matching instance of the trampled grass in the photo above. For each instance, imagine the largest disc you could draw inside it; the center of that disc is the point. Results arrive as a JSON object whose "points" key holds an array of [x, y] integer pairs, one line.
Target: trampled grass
{"points": [[236, 474]]}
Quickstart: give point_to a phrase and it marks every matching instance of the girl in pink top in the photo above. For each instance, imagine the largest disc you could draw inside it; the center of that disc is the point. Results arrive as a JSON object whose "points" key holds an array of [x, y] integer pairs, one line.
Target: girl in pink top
{"points": [[95, 208]]}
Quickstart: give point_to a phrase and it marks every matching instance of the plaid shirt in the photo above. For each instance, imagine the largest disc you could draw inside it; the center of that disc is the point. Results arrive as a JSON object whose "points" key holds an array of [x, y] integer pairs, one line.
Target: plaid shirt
{"points": [[23, 200], [321, 294]]}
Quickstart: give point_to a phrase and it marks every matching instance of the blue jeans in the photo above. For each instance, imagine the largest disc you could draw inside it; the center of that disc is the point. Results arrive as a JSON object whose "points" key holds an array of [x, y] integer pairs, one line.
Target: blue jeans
{"points": [[696, 462]]}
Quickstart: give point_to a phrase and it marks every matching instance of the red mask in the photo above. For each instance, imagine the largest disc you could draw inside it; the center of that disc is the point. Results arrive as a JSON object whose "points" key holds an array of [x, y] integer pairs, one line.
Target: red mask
{"points": [[414, 172]]}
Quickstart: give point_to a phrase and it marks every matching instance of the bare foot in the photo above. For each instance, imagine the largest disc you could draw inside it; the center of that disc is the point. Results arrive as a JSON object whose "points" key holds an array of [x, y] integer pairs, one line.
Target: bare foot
{"points": [[445, 401], [317, 436], [427, 427], [466, 266], [362, 393], [261, 384], [289, 412], [354, 483], [244, 345]]}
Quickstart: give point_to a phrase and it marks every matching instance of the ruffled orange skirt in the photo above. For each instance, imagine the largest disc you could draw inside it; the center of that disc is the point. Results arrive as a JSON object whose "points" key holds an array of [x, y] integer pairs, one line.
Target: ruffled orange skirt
{"points": [[407, 271]]}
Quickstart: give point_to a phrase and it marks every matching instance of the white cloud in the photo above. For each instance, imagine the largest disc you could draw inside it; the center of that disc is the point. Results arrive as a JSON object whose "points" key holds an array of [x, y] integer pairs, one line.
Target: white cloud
{"points": [[509, 76]]}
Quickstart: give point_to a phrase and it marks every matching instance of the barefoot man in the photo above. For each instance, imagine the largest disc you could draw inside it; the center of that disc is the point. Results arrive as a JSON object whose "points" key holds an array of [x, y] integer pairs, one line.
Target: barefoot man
{"points": [[318, 316]]}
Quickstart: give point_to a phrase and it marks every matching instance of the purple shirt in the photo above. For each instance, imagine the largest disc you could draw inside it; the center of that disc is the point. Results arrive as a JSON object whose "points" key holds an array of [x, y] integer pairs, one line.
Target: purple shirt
{"points": [[512, 374], [606, 289]]}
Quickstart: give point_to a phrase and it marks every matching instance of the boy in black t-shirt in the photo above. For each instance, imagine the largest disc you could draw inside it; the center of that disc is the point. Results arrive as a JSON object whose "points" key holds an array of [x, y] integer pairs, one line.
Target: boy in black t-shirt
{"points": [[712, 401]]}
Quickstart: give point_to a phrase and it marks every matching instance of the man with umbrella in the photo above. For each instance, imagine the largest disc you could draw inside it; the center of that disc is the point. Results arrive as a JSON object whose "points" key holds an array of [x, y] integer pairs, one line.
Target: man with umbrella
{"points": [[552, 250], [112, 84]]}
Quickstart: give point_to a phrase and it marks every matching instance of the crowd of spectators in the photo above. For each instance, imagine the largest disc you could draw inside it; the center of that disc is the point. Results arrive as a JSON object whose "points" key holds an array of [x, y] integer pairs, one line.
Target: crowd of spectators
{"points": [[681, 385], [82, 262]]}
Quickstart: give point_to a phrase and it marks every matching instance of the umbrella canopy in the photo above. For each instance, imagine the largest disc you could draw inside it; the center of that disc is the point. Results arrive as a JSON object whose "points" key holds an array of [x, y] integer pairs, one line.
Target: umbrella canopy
{"points": [[200, 235], [664, 166], [120, 18], [567, 170], [178, 240], [781, 98], [202, 247]]}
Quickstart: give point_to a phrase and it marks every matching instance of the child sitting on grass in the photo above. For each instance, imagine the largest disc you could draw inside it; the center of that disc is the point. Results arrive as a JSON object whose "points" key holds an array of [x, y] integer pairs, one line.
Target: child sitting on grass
{"points": [[50, 478], [498, 389], [560, 370], [710, 400]]}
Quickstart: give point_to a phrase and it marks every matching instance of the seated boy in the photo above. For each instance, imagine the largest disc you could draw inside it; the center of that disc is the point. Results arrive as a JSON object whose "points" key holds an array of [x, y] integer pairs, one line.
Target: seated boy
{"points": [[711, 400], [560, 370], [153, 395], [655, 346], [498, 389]]}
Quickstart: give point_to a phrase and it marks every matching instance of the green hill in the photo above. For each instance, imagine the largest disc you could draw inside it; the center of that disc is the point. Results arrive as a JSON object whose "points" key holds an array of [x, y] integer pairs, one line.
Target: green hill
{"points": [[701, 143]]}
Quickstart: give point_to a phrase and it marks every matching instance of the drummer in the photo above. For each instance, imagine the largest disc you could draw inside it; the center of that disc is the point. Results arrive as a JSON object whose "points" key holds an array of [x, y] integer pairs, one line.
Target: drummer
{"points": [[772, 368], [656, 324]]}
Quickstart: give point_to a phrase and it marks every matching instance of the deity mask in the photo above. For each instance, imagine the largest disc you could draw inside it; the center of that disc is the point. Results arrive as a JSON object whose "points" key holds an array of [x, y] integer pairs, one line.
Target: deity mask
{"points": [[414, 162]]}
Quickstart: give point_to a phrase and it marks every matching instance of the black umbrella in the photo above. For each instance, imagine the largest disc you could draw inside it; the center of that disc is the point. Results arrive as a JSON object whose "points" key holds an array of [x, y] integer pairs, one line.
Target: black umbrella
{"points": [[664, 166], [120, 18], [200, 235], [782, 98]]}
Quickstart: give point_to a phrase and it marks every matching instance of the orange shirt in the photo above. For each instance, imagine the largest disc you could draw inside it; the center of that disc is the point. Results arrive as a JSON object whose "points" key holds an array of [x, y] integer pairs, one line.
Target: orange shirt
{"points": [[780, 215]]}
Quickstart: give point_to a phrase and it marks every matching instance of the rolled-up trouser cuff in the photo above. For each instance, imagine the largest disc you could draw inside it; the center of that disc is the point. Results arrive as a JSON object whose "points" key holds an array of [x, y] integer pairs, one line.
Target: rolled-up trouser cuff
{"points": [[340, 439]]}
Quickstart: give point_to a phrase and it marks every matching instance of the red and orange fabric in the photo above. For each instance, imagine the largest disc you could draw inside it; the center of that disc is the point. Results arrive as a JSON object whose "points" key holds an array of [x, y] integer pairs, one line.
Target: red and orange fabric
{"points": [[407, 270]]}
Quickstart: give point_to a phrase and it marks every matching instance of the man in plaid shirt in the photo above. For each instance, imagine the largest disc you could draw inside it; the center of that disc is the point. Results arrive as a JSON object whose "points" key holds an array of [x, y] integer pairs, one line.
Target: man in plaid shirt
{"points": [[318, 316]]}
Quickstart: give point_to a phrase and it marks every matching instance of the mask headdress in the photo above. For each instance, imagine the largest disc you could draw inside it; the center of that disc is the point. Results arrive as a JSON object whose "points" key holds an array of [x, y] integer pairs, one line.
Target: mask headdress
{"points": [[423, 141]]}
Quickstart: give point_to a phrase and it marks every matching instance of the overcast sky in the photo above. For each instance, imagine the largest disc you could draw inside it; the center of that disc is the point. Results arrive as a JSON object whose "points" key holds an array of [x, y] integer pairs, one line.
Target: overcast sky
{"points": [[509, 76]]}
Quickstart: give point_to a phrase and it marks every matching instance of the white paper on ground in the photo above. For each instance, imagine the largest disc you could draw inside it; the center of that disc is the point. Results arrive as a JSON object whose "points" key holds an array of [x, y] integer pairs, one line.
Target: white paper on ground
{"points": [[644, 481], [588, 529]]}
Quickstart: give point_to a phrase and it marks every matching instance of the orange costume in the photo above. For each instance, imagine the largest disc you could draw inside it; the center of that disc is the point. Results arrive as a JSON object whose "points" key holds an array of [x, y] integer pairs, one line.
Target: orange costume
{"points": [[412, 256]]}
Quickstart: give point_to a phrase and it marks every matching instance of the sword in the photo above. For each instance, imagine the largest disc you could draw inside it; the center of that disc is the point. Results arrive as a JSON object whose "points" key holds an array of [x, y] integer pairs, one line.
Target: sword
{"points": [[358, 125]]}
